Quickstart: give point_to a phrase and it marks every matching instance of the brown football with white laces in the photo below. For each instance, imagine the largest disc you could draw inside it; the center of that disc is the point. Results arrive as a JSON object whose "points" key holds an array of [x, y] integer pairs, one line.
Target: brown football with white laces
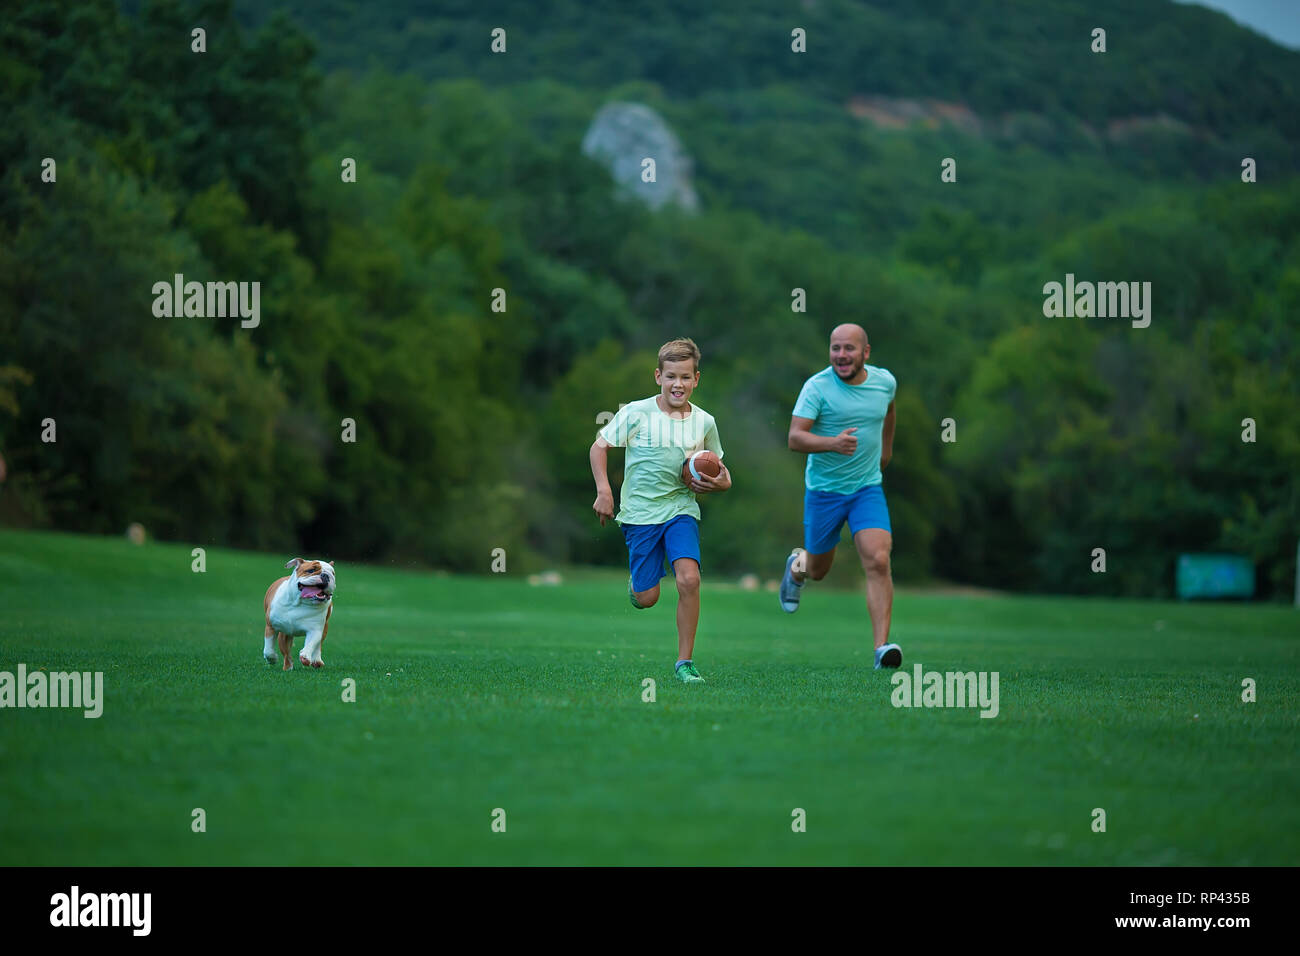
{"points": [[700, 464]]}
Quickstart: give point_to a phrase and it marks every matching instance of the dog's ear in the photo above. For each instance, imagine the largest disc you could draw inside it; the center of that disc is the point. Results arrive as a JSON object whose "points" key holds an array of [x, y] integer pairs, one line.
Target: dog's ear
{"points": [[294, 562]]}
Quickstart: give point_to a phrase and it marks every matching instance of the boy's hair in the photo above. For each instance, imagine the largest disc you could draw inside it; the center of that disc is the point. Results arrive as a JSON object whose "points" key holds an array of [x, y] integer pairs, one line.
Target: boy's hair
{"points": [[679, 350]]}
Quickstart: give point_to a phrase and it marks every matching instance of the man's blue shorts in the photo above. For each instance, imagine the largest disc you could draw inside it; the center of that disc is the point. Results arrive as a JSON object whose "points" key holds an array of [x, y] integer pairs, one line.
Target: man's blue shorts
{"points": [[824, 513], [649, 544]]}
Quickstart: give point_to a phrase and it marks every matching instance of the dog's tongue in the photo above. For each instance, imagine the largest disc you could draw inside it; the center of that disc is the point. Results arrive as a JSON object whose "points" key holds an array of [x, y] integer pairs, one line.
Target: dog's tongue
{"points": [[311, 591]]}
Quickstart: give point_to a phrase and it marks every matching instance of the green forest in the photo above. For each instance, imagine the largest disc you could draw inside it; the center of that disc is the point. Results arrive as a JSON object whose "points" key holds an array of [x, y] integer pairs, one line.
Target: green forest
{"points": [[472, 425]]}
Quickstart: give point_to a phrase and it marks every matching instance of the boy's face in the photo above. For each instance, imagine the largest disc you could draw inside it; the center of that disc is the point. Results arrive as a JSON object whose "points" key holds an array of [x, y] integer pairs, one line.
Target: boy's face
{"points": [[677, 380]]}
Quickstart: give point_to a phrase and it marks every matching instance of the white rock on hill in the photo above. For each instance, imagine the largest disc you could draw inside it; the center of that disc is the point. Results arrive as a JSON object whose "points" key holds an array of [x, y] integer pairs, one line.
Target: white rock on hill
{"points": [[623, 135]]}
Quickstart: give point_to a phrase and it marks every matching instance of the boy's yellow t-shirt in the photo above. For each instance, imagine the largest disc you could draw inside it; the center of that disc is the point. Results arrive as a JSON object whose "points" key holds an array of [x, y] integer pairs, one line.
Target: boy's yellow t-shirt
{"points": [[657, 446]]}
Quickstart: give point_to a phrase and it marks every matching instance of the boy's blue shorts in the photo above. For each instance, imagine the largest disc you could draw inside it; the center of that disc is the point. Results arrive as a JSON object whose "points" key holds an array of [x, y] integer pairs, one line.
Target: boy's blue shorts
{"points": [[649, 544], [824, 513]]}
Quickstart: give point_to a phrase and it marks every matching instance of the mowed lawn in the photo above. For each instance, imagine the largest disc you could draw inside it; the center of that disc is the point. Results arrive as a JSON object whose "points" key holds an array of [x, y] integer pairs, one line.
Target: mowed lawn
{"points": [[479, 693]]}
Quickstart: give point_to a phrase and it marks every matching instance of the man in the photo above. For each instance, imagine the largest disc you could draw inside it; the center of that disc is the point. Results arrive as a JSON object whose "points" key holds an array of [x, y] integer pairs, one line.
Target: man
{"points": [[844, 421], [659, 514]]}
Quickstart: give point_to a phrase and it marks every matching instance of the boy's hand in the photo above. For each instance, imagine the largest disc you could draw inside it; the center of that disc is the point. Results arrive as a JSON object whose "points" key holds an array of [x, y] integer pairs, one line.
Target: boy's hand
{"points": [[705, 484], [604, 506]]}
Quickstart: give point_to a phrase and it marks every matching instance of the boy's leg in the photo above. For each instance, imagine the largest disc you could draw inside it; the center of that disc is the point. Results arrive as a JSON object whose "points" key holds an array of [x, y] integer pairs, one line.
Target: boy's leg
{"points": [[688, 605], [682, 547], [645, 556], [646, 598]]}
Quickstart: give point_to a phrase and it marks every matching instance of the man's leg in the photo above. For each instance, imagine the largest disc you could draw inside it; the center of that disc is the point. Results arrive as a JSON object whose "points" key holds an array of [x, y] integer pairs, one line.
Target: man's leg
{"points": [[813, 566], [873, 537], [874, 547], [823, 517]]}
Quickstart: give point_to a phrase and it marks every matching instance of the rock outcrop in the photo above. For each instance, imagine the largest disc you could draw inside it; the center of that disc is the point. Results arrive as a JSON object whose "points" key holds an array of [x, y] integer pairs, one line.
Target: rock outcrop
{"points": [[623, 135]]}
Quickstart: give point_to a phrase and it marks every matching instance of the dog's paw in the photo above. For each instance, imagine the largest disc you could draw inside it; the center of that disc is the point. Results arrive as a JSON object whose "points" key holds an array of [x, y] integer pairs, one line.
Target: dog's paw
{"points": [[288, 665], [272, 659], [304, 660], [317, 663]]}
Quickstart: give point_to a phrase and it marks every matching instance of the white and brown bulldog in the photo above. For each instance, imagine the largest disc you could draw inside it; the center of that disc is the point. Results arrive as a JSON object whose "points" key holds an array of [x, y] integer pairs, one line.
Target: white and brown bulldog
{"points": [[299, 604]]}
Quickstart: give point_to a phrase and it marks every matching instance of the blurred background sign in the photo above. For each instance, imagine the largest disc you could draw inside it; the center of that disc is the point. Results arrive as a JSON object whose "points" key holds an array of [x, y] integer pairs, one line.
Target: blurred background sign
{"points": [[1215, 576]]}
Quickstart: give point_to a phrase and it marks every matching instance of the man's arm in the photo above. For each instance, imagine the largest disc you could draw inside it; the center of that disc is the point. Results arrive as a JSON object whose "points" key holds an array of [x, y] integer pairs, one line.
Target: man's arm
{"points": [[802, 439], [599, 457], [887, 437]]}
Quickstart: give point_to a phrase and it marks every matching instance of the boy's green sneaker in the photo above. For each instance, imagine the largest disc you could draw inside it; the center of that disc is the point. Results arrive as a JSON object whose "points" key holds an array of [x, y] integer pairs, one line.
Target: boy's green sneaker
{"points": [[687, 674]]}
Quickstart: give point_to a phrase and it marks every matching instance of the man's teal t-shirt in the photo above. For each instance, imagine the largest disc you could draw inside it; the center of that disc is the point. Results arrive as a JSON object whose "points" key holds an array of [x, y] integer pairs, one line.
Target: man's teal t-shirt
{"points": [[835, 406]]}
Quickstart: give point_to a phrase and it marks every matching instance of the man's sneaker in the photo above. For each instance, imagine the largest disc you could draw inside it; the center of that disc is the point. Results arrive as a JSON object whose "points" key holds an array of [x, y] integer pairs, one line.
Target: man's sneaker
{"points": [[888, 655], [790, 588], [687, 674], [631, 595]]}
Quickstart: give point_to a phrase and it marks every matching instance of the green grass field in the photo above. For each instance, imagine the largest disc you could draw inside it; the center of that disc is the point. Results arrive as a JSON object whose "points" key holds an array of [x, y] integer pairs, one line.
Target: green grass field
{"points": [[476, 693]]}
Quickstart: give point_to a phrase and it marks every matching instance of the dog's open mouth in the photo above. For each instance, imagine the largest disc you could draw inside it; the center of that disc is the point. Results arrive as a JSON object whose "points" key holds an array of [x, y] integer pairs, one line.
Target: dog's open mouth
{"points": [[312, 592]]}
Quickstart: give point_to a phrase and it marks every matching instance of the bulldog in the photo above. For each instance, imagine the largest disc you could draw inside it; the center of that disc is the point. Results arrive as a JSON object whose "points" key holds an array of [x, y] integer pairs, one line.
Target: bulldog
{"points": [[299, 604]]}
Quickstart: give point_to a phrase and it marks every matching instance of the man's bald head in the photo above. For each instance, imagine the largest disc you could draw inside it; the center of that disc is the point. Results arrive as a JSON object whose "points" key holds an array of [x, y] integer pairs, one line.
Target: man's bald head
{"points": [[853, 329], [849, 351]]}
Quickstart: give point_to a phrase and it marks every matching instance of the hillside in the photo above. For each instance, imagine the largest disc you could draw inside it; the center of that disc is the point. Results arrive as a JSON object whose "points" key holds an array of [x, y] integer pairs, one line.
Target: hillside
{"points": [[844, 140], [472, 424], [993, 56]]}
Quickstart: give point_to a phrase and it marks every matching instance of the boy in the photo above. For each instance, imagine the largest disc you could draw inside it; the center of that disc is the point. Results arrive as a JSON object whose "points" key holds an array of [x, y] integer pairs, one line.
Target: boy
{"points": [[659, 514]]}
